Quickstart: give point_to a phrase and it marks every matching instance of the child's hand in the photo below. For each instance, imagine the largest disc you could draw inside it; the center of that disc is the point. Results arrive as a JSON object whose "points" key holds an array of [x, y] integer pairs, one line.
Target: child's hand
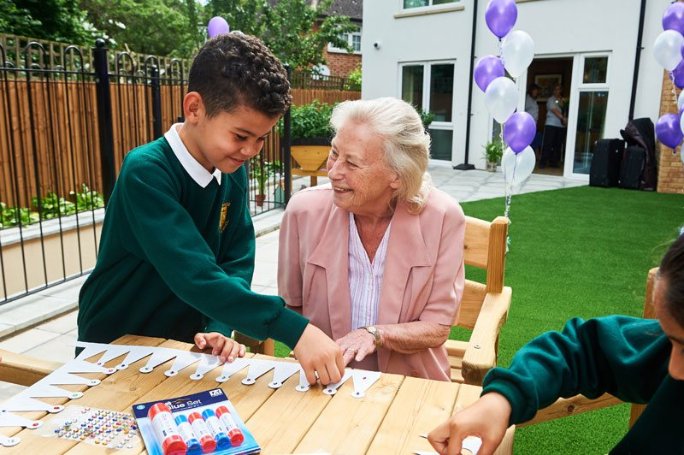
{"points": [[225, 348]]}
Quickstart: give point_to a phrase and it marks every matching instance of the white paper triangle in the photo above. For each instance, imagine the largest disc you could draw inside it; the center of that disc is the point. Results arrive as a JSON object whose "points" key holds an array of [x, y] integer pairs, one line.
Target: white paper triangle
{"points": [[112, 352], [159, 356], [9, 442], [135, 353], [472, 443], [7, 419], [183, 360], [90, 349], [363, 380], [59, 377], [257, 367], [231, 368], [281, 373], [207, 363], [42, 389], [331, 389], [81, 366], [23, 403], [303, 385]]}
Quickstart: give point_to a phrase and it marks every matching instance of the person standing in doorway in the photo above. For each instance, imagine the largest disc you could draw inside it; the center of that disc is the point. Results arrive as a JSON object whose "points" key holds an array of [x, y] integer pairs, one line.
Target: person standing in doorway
{"points": [[532, 108], [554, 129]]}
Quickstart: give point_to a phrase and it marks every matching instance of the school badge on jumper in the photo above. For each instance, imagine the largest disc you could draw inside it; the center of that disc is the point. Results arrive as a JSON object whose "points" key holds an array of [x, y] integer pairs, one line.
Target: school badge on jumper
{"points": [[223, 221]]}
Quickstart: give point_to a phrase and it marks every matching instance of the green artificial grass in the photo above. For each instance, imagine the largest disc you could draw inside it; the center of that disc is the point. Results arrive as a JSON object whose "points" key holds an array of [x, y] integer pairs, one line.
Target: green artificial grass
{"points": [[576, 252]]}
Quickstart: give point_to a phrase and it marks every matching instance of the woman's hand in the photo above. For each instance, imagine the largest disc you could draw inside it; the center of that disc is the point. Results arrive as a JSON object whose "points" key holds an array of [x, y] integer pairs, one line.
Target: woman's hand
{"points": [[356, 345], [487, 418], [225, 348]]}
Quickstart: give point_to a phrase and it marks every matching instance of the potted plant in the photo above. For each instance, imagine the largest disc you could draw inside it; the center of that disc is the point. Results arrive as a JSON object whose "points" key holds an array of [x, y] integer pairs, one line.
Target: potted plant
{"points": [[493, 151], [311, 134], [261, 172]]}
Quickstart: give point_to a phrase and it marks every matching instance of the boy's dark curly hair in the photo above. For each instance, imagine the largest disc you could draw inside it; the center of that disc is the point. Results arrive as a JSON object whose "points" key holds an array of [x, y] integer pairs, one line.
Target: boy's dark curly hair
{"points": [[237, 69]]}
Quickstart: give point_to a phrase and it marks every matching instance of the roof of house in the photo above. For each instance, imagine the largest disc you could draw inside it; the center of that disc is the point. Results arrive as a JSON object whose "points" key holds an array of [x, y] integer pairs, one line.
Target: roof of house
{"points": [[351, 8]]}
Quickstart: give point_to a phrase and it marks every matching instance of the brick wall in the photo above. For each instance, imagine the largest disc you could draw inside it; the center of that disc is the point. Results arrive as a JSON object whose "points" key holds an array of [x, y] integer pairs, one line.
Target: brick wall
{"points": [[342, 64], [670, 168]]}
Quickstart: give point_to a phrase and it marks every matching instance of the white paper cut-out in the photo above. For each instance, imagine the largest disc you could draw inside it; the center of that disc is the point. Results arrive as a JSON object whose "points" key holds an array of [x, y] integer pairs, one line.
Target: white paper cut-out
{"points": [[331, 389], [257, 367], [42, 389], [207, 363], [81, 366], [303, 385], [90, 349], [114, 351], [9, 442], [363, 380], [183, 360], [135, 353], [281, 373], [22, 403], [61, 377], [7, 419], [159, 356], [231, 368]]}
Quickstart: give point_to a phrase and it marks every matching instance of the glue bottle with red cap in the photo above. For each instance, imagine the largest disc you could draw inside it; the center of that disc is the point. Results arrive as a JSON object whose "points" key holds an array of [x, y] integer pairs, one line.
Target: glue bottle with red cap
{"points": [[166, 430], [217, 429], [199, 427], [234, 431]]}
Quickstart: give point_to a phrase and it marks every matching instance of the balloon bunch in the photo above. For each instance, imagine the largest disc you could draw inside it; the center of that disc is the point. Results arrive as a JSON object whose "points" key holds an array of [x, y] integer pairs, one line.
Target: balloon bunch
{"points": [[217, 26], [669, 52], [501, 94]]}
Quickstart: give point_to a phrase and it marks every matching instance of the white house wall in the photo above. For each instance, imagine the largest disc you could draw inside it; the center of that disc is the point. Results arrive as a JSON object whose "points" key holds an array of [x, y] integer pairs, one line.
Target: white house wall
{"points": [[558, 28]]}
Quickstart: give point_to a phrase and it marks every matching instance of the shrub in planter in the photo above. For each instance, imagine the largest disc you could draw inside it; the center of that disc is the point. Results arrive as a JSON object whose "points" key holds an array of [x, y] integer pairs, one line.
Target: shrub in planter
{"points": [[493, 153], [310, 123]]}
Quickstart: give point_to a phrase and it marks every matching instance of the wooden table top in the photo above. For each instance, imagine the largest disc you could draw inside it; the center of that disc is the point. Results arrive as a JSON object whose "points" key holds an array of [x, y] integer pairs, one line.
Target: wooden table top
{"points": [[395, 411]]}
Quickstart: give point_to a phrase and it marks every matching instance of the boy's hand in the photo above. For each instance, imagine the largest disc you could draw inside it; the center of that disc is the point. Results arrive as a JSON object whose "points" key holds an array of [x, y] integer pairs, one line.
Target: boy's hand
{"points": [[487, 418], [225, 348], [319, 354]]}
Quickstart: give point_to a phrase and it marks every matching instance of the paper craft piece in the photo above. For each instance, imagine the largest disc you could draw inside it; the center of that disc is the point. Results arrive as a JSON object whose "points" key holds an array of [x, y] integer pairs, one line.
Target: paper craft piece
{"points": [[231, 368], [22, 403], [304, 385], [257, 367], [281, 373], [331, 389], [135, 353], [207, 363], [90, 349], [42, 389], [114, 351], [59, 377], [363, 380], [159, 356], [470, 443], [81, 366], [9, 442], [7, 419], [183, 360]]}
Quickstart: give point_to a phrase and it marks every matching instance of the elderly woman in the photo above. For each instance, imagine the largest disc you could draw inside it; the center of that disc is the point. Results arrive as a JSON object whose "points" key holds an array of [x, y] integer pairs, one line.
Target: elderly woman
{"points": [[375, 259]]}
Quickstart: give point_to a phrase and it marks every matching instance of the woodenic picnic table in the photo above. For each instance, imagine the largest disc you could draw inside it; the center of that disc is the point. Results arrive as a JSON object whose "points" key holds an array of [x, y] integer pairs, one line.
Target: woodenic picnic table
{"points": [[390, 419]]}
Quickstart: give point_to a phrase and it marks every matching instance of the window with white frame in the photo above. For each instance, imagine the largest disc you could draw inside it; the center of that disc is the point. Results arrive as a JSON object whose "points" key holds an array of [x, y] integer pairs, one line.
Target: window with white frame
{"points": [[421, 3], [430, 87], [353, 39]]}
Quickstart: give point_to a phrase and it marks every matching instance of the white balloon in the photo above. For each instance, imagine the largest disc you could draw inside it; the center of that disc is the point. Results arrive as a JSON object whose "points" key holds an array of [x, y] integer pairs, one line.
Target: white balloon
{"points": [[667, 49], [501, 98], [517, 168], [680, 101], [517, 51], [681, 121]]}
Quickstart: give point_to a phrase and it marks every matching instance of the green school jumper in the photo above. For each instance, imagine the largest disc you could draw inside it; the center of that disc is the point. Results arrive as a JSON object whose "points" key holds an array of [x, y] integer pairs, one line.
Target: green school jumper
{"points": [[626, 357], [176, 259]]}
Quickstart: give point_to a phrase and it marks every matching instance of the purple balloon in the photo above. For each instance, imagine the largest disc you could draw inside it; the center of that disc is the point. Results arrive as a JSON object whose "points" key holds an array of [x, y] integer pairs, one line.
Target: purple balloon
{"points": [[678, 75], [217, 26], [487, 69], [673, 19], [519, 131], [500, 16], [668, 130]]}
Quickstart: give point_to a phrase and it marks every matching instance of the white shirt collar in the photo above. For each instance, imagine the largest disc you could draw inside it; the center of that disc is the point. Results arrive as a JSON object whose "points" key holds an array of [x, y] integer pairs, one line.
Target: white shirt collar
{"points": [[198, 173]]}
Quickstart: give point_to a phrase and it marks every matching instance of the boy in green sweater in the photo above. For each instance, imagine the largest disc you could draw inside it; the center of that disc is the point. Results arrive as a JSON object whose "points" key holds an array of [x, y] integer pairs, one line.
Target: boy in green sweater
{"points": [[637, 360], [177, 250]]}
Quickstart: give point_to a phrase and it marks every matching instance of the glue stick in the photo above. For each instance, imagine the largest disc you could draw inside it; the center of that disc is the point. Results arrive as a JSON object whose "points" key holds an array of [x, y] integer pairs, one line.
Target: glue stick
{"points": [[185, 430], [166, 430], [199, 427], [234, 431], [217, 429]]}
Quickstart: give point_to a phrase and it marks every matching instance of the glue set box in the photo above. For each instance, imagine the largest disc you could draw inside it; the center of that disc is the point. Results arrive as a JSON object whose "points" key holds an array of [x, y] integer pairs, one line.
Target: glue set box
{"points": [[201, 423]]}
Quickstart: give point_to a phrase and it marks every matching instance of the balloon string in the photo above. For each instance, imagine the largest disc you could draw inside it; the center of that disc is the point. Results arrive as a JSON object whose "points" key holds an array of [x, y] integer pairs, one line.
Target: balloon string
{"points": [[675, 98], [508, 191]]}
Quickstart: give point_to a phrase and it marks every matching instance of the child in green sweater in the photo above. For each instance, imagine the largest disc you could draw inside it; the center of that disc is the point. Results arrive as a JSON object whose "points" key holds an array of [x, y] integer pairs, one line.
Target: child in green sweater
{"points": [[177, 250], [637, 360]]}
